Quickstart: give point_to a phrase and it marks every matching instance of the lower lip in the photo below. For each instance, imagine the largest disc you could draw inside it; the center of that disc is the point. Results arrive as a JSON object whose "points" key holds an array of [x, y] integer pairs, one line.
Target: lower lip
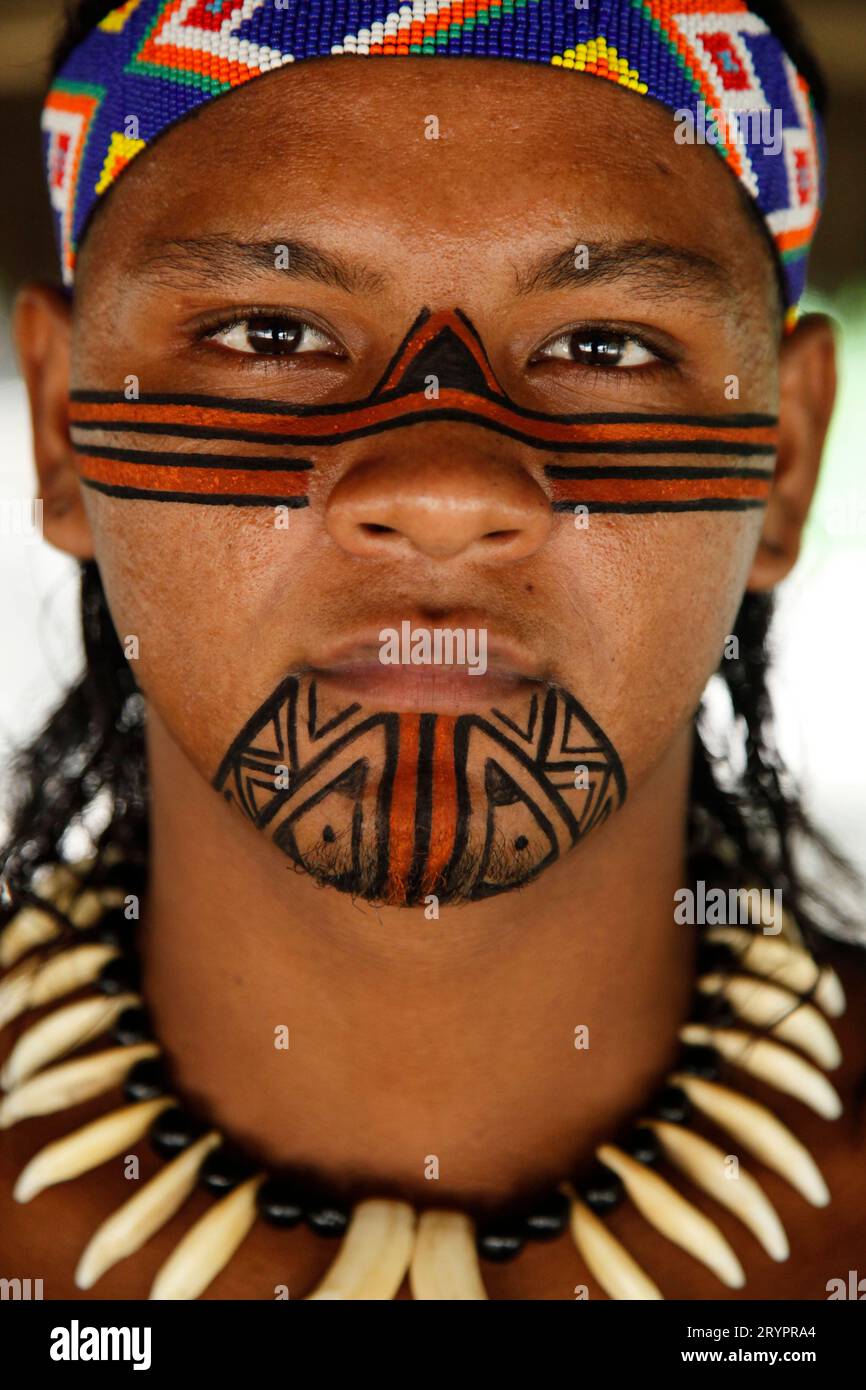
{"points": [[423, 688]]}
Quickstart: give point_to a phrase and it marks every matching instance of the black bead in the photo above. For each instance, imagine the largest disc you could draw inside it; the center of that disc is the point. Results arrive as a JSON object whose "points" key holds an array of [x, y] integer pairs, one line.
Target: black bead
{"points": [[145, 1081], [114, 929], [713, 1008], [223, 1169], [280, 1202], [131, 878], [118, 976], [601, 1189], [642, 1144], [547, 1217], [700, 1061], [671, 1103], [133, 1026], [174, 1130], [327, 1218], [500, 1239], [713, 956]]}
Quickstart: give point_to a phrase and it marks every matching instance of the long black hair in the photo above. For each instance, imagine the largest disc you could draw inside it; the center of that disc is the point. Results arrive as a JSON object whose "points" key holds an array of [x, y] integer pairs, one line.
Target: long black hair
{"points": [[745, 828]]}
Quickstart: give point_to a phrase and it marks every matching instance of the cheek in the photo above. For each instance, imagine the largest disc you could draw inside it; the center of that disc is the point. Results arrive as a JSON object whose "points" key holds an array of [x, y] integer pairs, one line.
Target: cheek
{"points": [[221, 602], [651, 601]]}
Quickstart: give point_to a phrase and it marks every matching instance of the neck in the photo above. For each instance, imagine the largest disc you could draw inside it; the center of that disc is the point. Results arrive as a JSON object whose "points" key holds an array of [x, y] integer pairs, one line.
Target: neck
{"points": [[412, 1040]]}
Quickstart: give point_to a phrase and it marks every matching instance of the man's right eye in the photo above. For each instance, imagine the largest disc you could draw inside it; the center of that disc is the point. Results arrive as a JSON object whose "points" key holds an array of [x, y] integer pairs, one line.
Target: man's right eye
{"points": [[268, 335]]}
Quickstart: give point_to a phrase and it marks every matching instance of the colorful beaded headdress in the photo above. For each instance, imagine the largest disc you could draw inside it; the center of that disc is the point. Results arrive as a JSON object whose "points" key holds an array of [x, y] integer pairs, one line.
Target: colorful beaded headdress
{"points": [[713, 63]]}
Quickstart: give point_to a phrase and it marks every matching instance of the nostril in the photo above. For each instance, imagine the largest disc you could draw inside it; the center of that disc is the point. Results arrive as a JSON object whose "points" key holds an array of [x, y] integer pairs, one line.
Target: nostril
{"points": [[501, 537], [372, 528]]}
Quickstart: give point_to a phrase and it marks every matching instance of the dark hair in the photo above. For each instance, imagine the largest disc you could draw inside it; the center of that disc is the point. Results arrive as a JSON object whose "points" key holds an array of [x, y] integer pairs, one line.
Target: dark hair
{"points": [[745, 829]]}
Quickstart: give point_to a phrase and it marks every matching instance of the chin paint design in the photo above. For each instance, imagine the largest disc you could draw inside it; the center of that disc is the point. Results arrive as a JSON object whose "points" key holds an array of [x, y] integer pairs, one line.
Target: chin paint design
{"points": [[260, 453], [392, 806]]}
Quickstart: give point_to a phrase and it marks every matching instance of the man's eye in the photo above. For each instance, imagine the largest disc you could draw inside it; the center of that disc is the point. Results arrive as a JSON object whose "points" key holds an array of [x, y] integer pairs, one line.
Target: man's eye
{"points": [[596, 348], [272, 337]]}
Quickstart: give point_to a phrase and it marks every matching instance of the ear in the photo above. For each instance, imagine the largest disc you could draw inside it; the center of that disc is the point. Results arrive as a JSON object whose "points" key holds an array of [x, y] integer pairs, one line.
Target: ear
{"points": [[807, 391], [43, 329]]}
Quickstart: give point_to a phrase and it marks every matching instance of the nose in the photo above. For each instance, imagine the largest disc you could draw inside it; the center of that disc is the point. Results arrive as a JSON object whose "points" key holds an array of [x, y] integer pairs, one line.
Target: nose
{"points": [[436, 500]]}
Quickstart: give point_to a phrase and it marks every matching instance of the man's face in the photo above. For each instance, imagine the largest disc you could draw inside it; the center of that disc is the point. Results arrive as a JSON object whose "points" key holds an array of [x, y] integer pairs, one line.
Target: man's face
{"points": [[285, 246]]}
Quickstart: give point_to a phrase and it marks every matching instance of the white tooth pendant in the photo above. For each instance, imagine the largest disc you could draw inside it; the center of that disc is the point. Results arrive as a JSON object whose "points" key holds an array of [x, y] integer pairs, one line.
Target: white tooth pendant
{"points": [[772, 1063], [87, 1147], [92, 904], [70, 1083], [707, 1167], [374, 1255], [445, 1265], [786, 963], [29, 928], [760, 1132], [130, 1227], [66, 972], [208, 1246], [57, 884], [60, 1032], [675, 1218], [605, 1257], [784, 1014], [15, 990]]}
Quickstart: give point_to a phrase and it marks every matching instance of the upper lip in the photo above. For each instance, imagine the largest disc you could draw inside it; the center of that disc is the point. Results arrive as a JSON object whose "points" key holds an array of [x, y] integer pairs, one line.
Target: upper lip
{"points": [[505, 657]]}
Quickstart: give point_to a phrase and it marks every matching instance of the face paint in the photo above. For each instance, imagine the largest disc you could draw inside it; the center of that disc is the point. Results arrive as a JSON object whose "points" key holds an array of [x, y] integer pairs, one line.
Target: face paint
{"points": [[392, 806], [446, 348]]}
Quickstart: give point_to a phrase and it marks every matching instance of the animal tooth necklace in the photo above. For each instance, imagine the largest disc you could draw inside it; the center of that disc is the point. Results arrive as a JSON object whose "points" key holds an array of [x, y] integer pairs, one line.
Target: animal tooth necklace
{"points": [[768, 1029]]}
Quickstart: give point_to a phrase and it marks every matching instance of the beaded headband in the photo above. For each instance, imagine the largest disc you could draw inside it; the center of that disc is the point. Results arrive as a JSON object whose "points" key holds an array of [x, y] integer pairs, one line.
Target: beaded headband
{"points": [[713, 63]]}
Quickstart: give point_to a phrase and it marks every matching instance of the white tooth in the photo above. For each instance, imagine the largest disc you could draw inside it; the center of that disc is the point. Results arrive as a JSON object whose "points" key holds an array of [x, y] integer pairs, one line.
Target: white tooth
{"points": [[129, 1227], [60, 1032], [783, 1013], [663, 1207], [706, 1166], [68, 971], [86, 1148], [35, 982], [209, 1245], [70, 1083], [374, 1255], [607, 1260], [760, 1132], [15, 990], [786, 963], [57, 884], [30, 927], [772, 1063], [87, 909], [445, 1262]]}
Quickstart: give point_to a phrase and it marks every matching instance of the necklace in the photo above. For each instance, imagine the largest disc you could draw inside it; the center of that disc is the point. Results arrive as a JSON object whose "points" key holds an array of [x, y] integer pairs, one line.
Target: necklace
{"points": [[770, 983]]}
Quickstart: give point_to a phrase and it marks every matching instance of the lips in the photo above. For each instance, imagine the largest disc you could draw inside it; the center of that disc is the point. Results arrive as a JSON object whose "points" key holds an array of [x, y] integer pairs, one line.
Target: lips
{"points": [[356, 668]]}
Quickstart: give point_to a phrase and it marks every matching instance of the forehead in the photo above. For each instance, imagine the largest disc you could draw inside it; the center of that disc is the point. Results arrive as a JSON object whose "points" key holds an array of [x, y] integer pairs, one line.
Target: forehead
{"points": [[457, 156]]}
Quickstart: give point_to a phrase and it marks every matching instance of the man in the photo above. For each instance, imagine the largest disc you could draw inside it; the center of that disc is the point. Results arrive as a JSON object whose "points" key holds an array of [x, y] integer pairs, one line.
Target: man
{"points": [[466, 348]]}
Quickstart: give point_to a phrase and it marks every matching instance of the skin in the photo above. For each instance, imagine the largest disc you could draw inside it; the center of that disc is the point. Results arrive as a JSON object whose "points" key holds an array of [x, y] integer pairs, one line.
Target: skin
{"points": [[412, 1036]]}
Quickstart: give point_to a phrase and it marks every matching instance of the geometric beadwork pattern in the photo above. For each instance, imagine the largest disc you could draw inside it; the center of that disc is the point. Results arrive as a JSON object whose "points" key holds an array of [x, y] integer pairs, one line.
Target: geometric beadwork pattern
{"points": [[412, 804], [150, 62]]}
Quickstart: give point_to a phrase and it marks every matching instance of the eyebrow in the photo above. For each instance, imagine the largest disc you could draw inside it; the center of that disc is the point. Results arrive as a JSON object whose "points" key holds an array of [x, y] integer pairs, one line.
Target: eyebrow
{"points": [[651, 266], [197, 260]]}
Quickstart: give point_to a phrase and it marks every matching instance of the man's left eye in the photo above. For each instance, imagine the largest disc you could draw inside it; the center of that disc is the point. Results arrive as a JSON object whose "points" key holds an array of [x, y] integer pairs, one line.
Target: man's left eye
{"points": [[272, 337], [596, 348]]}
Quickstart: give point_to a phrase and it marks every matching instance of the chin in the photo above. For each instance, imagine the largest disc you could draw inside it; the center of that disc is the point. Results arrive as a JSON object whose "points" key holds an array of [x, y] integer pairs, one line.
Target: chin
{"points": [[397, 806]]}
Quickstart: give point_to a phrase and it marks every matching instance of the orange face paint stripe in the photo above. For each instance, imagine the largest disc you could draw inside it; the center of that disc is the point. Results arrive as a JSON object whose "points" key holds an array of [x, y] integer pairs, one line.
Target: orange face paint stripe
{"points": [[161, 478], [443, 813], [401, 824], [654, 489], [328, 428]]}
